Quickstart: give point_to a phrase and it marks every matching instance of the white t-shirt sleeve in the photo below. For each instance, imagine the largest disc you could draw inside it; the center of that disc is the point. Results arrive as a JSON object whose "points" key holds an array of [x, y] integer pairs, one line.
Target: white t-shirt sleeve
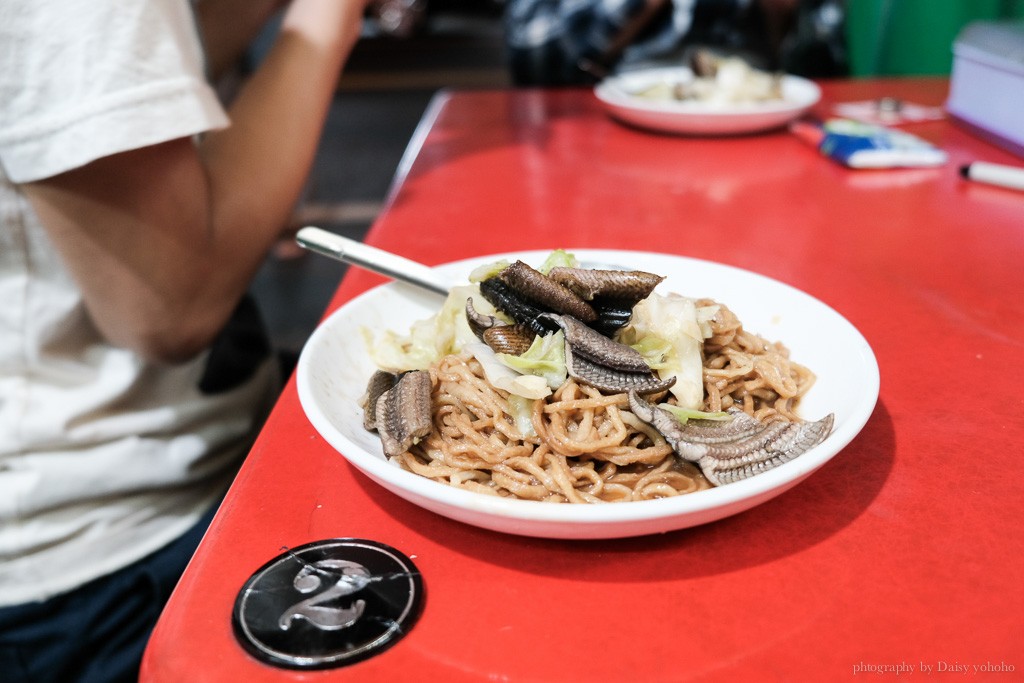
{"points": [[84, 80]]}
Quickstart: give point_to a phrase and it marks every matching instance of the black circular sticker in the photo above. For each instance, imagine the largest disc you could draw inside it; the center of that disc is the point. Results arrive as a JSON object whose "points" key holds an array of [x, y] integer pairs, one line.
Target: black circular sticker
{"points": [[328, 603]]}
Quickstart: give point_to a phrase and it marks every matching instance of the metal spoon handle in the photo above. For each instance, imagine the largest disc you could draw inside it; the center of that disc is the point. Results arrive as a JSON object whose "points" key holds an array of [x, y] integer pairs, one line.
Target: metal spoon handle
{"points": [[371, 258]]}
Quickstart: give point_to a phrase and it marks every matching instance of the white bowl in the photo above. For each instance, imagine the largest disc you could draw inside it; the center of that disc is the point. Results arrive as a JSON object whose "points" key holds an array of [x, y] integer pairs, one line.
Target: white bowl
{"points": [[616, 93], [334, 368]]}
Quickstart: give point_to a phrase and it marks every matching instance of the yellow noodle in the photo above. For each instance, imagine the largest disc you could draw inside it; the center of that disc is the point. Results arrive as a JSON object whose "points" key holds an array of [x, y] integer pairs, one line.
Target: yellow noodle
{"points": [[746, 370], [588, 447]]}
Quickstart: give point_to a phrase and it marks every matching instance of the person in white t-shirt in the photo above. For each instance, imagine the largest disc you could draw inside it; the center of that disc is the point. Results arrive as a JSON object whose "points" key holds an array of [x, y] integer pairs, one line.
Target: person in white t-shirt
{"points": [[134, 212]]}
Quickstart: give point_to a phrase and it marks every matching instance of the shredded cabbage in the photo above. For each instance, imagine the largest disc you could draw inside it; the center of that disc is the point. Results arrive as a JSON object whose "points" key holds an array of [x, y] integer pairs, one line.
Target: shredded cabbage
{"points": [[667, 326], [521, 410], [705, 314], [488, 270], [655, 351], [683, 414], [503, 377], [559, 257], [430, 339], [545, 358]]}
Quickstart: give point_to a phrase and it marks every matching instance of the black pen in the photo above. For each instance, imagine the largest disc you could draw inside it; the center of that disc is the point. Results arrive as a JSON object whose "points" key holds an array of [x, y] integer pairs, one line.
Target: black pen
{"points": [[994, 174]]}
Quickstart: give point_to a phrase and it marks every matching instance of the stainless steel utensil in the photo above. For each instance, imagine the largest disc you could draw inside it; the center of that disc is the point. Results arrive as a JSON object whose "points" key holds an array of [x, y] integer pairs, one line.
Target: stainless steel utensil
{"points": [[379, 261]]}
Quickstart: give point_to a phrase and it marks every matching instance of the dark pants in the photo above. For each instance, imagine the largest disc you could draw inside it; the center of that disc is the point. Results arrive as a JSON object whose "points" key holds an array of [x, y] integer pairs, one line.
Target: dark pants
{"points": [[96, 633]]}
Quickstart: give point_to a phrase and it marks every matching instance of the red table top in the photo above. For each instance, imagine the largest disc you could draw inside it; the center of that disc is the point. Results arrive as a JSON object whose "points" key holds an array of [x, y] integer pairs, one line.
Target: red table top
{"points": [[906, 548]]}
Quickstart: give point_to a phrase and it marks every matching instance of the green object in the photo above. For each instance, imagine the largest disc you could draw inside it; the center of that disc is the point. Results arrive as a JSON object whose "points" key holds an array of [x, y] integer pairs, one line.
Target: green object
{"points": [[913, 37], [684, 415]]}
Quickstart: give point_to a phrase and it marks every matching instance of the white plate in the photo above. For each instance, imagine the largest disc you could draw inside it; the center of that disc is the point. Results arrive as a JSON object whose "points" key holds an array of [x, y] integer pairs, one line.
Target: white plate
{"points": [[334, 368], [700, 118]]}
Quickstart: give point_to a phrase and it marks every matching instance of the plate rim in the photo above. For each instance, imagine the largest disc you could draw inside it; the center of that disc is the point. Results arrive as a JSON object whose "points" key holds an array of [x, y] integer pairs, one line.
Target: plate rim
{"points": [[760, 488], [610, 92]]}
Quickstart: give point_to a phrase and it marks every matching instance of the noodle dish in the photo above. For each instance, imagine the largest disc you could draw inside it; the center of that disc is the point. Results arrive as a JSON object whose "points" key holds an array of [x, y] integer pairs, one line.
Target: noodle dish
{"points": [[544, 381]]}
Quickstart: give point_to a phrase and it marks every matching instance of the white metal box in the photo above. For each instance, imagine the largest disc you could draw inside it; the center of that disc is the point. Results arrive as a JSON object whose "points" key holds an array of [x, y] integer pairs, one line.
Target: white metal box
{"points": [[986, 93]]}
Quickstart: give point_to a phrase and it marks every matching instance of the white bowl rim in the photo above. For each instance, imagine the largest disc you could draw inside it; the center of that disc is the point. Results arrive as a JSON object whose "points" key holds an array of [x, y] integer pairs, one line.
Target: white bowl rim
{"points": [[701, 502], [799, 94]]}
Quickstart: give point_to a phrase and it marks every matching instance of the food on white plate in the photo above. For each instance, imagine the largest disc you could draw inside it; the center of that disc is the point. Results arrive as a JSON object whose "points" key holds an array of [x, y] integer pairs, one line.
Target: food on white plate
{"points": [[724, 80], [565, 384]]}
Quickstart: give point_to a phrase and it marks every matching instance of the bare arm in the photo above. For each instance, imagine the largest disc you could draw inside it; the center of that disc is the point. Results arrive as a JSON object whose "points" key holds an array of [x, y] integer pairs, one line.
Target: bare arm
{"points": [[164, 240]]}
